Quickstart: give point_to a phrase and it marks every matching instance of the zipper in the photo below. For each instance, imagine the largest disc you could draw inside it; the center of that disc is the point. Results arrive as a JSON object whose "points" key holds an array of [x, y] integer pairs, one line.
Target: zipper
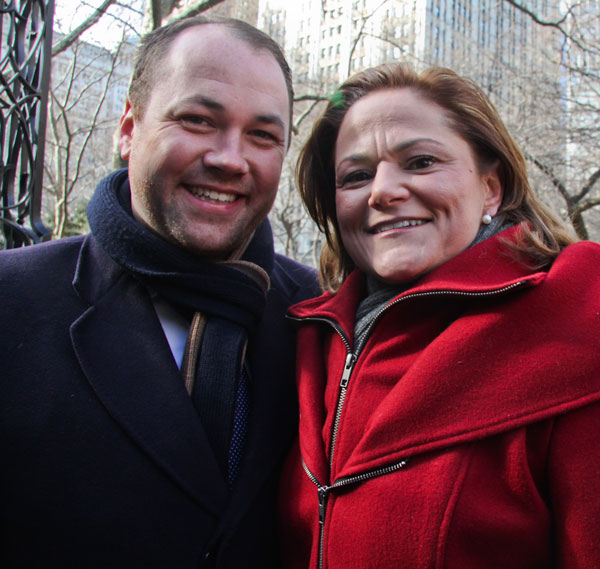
{"points": [[348, 367], [323, 496], [323, 492]]}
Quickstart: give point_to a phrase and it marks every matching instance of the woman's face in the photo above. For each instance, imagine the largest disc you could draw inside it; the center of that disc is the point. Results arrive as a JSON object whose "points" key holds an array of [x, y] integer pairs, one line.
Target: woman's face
{"points": [[409, 195]]}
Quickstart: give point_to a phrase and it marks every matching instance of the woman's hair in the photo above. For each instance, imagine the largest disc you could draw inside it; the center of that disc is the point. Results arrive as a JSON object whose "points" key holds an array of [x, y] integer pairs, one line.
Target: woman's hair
{"points": [[473, 117]]}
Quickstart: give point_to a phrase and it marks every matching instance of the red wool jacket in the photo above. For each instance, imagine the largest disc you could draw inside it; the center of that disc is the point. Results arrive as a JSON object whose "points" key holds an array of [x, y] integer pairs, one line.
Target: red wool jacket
{"points": [[465, 435]]}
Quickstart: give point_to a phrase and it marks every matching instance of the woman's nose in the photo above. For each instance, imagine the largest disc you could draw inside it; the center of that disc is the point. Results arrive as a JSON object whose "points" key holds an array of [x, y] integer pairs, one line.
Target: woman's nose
{"points": [[388, 185]]}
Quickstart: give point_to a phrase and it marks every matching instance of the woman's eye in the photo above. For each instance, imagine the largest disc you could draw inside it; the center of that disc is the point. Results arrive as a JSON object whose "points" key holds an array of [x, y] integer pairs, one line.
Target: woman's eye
{"points": [[356, 177], [421, 162]]}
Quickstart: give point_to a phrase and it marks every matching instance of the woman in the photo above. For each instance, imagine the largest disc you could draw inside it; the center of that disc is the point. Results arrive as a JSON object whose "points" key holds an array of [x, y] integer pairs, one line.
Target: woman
{"points": [[449, 380]]}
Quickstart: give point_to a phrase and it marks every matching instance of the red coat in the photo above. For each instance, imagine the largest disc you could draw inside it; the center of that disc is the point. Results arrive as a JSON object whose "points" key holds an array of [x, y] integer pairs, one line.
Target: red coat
{"points": [[469, 435]]}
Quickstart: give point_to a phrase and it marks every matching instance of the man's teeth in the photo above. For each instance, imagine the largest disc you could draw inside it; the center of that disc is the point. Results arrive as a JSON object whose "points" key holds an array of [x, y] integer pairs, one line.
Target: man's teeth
{"points": [[399, 225], [213, 196]]}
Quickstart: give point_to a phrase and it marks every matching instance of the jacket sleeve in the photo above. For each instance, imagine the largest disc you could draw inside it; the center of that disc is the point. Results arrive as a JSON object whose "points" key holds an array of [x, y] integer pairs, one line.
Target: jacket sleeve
{"points": [[574, 486]]}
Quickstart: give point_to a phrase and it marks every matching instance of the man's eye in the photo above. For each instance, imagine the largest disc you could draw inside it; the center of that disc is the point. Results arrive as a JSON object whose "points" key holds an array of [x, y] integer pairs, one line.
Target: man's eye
{"points": [[421, 162], [264, 134], [194, 119]]}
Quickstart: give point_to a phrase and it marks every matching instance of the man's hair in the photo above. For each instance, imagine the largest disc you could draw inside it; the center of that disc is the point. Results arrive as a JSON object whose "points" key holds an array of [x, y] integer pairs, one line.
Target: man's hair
{"points": [[472, 116], [154, 47]]}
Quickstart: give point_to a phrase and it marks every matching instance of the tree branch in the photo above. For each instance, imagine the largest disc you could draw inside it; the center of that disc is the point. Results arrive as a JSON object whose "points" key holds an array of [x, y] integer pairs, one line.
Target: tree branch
{"points": [[309, 97], [64, 43], [588, 186], [553, 178], [194, 9], [557, 24], [307, 112]]}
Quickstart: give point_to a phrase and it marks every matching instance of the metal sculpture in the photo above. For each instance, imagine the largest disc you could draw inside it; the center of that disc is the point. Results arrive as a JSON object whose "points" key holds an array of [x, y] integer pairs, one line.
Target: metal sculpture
{"points": [[26, 43]]}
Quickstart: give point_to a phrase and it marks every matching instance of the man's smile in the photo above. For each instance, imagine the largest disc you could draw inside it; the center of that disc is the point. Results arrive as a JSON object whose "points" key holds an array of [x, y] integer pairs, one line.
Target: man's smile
{"points": [[211, 195]]}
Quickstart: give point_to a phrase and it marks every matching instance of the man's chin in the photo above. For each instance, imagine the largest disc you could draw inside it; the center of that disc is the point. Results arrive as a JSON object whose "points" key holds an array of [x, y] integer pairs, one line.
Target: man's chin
{"points": [[211, 249]]}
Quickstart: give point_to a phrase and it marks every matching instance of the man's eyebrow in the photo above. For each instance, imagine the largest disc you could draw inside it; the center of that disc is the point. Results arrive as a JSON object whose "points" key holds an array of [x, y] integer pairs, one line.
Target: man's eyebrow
{"points": [[206, 102], [271, 119]]}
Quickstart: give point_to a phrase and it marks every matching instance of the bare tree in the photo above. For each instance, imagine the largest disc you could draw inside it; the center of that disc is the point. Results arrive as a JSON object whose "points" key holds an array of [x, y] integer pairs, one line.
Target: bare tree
{"points": [[76, 33], [573, 173], [77, 119], [159, 12]]}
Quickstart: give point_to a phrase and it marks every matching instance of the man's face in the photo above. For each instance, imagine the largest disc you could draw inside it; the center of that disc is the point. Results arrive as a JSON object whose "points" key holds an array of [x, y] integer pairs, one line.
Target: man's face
{"points": [[206, 155]]}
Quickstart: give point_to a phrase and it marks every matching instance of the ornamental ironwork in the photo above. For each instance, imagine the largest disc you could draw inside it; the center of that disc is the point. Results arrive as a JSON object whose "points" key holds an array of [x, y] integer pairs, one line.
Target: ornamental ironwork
{"points": [[26, 43]]}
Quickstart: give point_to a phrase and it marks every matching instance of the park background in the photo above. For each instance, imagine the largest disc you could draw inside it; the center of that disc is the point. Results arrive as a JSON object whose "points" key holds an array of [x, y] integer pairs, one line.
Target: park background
{"points": [[538, 60]]}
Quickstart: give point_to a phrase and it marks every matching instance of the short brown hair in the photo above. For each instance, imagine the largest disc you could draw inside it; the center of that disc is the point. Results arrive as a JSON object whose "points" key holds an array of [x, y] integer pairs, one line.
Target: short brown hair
{"points": [[154, 46], [472, 116]]}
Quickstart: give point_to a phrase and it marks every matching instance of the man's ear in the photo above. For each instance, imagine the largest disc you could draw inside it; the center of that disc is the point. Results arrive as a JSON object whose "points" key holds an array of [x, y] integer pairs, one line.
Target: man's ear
{"points": [[493, 189], [126, 128]]}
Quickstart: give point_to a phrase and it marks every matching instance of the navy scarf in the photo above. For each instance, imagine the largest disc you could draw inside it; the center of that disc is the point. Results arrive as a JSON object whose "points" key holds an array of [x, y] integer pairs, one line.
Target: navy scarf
{"points": [[180, 277]]}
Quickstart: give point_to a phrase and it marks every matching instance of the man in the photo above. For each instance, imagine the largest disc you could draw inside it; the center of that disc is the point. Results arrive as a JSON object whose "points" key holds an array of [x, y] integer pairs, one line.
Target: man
{"points": [[112, 459]]}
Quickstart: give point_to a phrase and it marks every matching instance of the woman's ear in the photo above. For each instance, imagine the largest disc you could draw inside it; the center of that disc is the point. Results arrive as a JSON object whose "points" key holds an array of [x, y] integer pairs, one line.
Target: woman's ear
{"points": [[493, 189]]}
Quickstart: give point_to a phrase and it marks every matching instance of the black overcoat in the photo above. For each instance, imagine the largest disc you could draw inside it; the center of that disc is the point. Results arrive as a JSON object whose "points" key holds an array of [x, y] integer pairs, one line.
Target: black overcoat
{"points": [[104, 461]]}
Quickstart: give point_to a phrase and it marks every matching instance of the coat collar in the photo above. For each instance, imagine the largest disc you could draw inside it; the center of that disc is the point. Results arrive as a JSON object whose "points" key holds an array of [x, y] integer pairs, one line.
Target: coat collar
{"points": [[526, 356], [486, 267]]}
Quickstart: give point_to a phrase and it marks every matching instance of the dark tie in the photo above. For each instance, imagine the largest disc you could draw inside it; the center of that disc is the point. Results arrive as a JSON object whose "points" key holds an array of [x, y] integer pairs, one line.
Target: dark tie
{"points": [[240, 427], [220, 391]]}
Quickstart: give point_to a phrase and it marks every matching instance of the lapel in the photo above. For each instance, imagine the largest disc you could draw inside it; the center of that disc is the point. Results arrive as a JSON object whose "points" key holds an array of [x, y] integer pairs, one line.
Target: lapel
{"points": [[126, 359]]}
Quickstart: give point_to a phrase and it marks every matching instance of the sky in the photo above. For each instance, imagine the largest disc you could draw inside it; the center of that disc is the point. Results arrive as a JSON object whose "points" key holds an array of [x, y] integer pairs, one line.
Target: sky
{"points": [[107, 31]]}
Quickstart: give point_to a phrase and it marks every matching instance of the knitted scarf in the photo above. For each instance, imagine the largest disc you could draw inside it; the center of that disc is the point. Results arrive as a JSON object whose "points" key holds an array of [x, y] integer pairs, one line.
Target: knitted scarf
{"points": [[217, 289]]}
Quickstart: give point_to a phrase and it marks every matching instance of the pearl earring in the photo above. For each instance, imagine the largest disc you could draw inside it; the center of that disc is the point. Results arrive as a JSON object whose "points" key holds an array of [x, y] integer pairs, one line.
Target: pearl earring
{"points": [[486, 219]]}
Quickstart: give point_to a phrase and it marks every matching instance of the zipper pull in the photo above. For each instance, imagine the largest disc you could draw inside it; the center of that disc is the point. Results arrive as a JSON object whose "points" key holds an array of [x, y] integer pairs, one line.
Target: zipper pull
{"points": [[323, 495], [350, 359]]}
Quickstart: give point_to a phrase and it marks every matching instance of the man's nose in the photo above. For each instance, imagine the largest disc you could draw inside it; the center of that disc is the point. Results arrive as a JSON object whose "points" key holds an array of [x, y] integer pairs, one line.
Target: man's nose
{"points": [[227, 154], [388, 185]]}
